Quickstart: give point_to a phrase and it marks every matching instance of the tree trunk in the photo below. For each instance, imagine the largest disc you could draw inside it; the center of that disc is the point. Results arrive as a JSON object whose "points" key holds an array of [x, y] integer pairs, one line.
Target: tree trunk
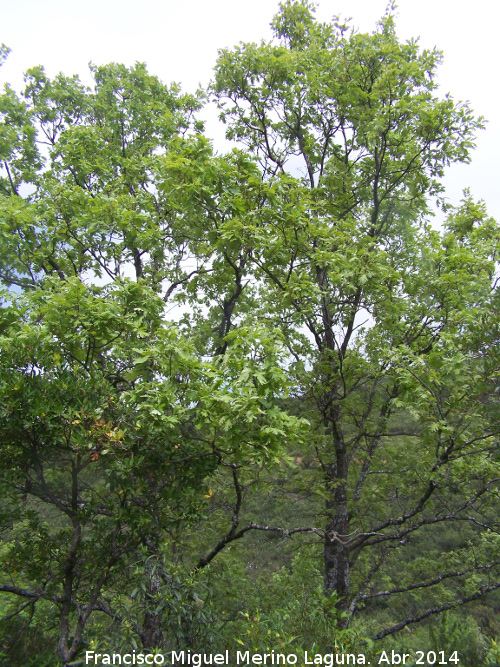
{"points": [[152, 626], [152, 632], [336, 553]]}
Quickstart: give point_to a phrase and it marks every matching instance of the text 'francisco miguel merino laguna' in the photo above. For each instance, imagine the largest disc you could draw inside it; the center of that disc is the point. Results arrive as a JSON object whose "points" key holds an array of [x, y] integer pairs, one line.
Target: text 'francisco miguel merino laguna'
{"points": [[273, 658]]}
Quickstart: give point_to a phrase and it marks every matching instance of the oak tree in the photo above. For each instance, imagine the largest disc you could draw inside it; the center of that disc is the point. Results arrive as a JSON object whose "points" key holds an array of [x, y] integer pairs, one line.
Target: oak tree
{"points": [[390, 320], [112, 421], [174, 319]]}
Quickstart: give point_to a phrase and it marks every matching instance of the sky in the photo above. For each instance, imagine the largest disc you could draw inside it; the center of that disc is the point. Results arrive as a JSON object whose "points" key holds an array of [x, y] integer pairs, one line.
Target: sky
{"points": [[178, 40]]}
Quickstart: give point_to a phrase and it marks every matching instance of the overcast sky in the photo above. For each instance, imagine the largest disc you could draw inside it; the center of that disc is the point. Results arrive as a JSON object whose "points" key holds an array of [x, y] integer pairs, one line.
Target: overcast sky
{"points": [[178, 40]]}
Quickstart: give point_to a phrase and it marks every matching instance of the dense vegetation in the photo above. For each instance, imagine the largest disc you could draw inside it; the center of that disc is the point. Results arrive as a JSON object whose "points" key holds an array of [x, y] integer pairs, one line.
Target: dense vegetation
{"points": [[248, 399]]}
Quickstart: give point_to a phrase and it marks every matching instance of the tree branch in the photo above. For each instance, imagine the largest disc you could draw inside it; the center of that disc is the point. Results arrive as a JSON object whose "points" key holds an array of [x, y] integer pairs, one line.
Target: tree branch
{"points": [[484, 590]]}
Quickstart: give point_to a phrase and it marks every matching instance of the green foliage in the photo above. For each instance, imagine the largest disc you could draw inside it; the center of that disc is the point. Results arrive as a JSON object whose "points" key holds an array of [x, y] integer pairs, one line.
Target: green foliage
{"points": [[450, 634], [113, 418], [493, 656], [398, 359], [271, 348]]}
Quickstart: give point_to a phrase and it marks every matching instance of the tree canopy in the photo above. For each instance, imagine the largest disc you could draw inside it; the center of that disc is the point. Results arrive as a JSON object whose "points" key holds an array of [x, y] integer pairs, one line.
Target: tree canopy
{"points": [[204, 353]]}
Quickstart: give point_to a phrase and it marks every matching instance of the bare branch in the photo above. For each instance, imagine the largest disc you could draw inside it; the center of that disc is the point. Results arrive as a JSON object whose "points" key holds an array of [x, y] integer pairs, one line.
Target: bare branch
{"points": [[484, 590]]}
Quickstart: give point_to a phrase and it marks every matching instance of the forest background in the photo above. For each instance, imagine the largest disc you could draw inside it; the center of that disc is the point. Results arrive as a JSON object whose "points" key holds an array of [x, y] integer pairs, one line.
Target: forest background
{"points": [[320, 405]]}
